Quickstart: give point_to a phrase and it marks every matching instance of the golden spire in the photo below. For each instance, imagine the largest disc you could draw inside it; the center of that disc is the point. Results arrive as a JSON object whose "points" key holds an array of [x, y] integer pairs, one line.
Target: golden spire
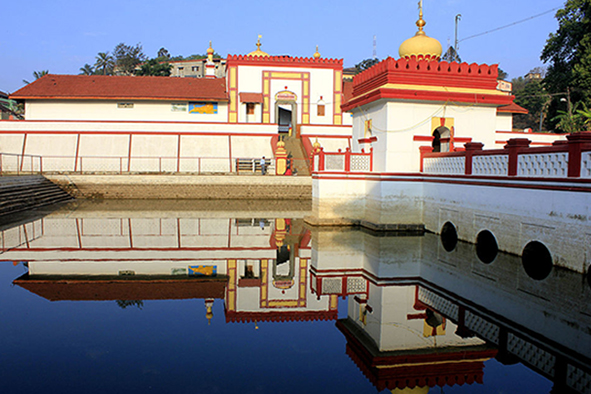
{"points": [[258, 52], [421, 22], [316, 54], [210, 53], [421, 45]]}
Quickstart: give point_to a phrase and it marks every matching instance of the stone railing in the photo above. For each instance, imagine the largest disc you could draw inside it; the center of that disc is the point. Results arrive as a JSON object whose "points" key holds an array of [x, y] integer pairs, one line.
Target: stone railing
{"points": [[340, 161], [564, 159]]}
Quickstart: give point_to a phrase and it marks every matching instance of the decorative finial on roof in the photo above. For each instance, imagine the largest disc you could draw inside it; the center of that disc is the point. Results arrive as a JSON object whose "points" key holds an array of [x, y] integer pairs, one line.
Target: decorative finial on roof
{"points": [[210, 52], [420, 45], [316, 54], [258, 52]]}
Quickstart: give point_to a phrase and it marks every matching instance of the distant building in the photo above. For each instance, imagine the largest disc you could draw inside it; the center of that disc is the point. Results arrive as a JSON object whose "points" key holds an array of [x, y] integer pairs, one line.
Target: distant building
{"points": [[196, 68]]}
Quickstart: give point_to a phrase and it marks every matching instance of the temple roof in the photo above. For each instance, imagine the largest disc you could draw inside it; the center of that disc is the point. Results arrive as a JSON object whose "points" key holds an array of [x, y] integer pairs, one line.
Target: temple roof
{"points": [[106, 87], [513, 108]]}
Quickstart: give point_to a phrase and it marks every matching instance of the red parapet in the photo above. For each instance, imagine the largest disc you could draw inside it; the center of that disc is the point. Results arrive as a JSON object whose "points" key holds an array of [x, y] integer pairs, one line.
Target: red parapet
{"points": [[285, 60], [427, 71], [471, 149]]}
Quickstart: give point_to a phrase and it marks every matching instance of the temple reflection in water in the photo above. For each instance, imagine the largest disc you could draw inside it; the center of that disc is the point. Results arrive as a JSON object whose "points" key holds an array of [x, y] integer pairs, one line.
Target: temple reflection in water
{"points": [[418, 316]]}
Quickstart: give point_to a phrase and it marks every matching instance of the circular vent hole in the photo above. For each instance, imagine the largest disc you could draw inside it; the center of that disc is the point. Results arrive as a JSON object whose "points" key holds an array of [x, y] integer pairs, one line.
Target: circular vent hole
{"points": [[486, 247]]}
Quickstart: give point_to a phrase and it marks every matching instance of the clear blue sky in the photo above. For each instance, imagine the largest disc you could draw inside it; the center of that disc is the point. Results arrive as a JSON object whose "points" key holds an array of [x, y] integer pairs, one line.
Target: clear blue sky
{"points": [[62, 35]]}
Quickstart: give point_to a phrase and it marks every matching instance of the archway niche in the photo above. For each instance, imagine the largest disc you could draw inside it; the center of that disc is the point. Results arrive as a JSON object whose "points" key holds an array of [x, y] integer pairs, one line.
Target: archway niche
{"points": [[536, 260], [487, 247], [441, 137]]}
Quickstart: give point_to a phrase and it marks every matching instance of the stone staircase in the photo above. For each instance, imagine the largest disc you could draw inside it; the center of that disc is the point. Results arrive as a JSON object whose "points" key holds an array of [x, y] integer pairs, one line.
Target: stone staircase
{"points": [[300, 162], [21, 193]]}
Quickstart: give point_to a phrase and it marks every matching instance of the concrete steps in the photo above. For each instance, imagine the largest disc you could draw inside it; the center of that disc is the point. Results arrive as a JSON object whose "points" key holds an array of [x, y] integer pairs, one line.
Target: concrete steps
{"points": [[294, 147], [21, 193]]}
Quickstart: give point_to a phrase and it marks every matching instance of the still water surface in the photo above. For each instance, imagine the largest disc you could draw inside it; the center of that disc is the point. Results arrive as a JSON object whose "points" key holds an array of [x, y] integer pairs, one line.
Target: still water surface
{"points": [[187, 298]]}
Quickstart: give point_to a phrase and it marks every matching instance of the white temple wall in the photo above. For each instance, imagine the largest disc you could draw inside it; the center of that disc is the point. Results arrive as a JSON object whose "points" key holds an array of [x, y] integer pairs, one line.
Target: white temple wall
{"points": [[558, 219], [338, 198], [504, 122], [250, 80], [396, 124], [101, 110]]}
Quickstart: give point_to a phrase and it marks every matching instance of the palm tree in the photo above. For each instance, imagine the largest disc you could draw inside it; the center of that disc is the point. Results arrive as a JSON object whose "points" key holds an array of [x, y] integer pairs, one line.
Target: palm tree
{"points": [[584, 116], [37, 75], [105, 62], [87, 70]]}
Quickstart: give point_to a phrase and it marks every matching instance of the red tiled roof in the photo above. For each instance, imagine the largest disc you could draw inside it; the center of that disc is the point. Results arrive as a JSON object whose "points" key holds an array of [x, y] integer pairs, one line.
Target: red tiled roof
{"points": [[72, 289], [105, 87], [512, 108], [251, 97]]}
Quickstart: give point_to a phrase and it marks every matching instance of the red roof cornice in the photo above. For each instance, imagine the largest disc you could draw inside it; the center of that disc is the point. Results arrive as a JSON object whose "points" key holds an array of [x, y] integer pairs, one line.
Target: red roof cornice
{"points": [[284, 61], [408, 368], [425, 95], [279, 316]]}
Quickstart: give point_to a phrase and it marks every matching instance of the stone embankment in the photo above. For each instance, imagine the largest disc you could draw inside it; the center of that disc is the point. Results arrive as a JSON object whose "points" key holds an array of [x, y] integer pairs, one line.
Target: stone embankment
{"points": [[204, 187], [25, 192]]}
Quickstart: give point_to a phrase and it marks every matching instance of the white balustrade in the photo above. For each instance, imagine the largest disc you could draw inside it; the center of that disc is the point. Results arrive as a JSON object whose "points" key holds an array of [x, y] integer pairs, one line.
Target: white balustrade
{"points": [[586, 165], [543, 165], [334, 162], [360, 163], [444, 165], [490, 165]]}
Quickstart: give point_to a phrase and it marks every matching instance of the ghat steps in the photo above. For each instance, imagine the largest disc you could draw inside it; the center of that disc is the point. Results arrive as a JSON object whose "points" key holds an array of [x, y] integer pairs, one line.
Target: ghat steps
{"points": [[20, 193]]}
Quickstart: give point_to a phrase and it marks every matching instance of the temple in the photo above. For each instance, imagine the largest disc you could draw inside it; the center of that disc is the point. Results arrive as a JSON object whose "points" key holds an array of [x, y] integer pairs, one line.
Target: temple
{"points": [[224, 119]]}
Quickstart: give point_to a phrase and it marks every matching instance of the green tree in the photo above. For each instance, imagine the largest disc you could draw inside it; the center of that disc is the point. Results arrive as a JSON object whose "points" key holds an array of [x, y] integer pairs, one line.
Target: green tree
{"points": [[128, 58], [163, 53], [584, 116], [533, 97], [87, 69], [104, 64], [155, 68], [568, 54], [568, 121]]}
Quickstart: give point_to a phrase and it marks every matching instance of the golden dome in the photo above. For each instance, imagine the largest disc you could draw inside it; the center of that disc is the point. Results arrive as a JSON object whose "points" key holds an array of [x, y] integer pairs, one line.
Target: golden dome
{"points": [[210, 49], [316, 54], [258, 52], [421, 45]]}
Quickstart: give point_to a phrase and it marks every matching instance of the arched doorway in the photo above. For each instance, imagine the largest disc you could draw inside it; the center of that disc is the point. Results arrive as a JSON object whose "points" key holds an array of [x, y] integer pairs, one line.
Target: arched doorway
{"points": [[441, 139], [286, 115]]}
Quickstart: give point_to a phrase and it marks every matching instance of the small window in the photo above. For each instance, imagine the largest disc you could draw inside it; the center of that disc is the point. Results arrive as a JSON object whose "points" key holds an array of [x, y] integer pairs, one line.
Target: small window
{"points": [[195, 68], [178, 107], [124, 105], [250, 108], [320, 109]]}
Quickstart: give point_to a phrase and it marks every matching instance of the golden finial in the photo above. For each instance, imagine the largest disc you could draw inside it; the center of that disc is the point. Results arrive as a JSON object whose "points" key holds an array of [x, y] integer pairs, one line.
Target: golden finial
{"points": [[258, 52], [316, 54], [420, 45], [421, 22]]}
